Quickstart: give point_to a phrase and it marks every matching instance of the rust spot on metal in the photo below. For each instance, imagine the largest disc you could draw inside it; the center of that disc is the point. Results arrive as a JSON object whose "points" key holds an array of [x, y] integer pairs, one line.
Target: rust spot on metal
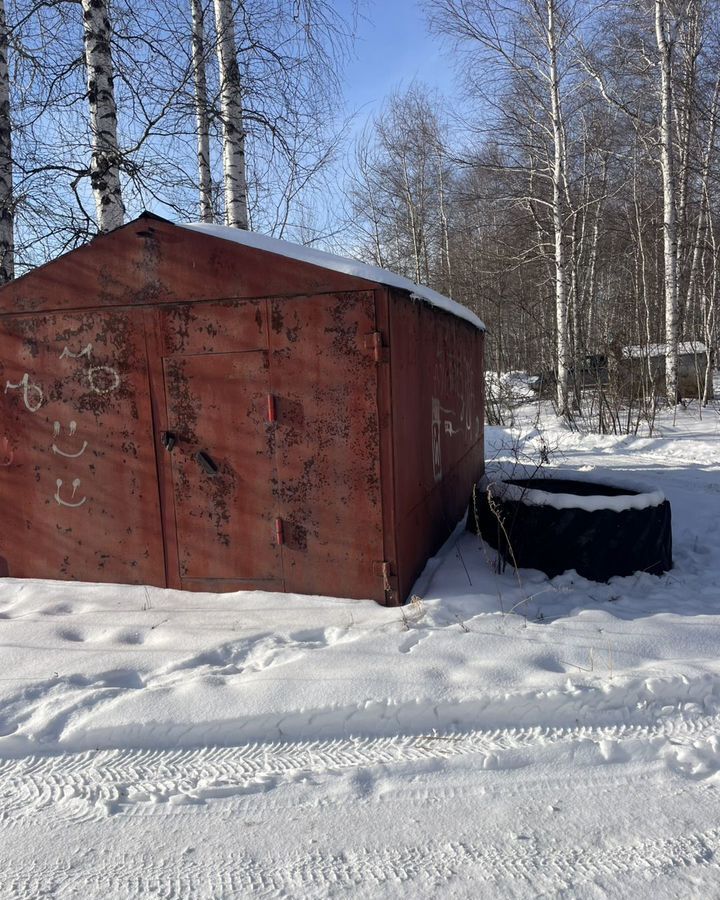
{"points": [[277, 320]]}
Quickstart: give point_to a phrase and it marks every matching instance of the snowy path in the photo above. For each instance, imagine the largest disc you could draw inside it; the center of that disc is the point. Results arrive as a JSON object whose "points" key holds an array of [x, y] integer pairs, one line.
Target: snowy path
{"points": [[235, 816], [273, 820], [93, 785]]}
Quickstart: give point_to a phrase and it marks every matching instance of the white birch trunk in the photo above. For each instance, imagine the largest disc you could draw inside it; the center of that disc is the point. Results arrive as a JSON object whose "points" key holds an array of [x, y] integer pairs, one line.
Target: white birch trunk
{"points": [[444, 230], [105, 163], [412, 222], [685, 130], [561, 301], [592, 264], [704, 198], [710, 301], [669, 212], [642, 288], [236, 208], [201, 111], [7, 242]]}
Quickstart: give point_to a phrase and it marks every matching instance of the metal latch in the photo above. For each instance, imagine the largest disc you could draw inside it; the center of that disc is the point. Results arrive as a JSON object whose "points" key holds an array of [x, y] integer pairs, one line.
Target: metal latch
{"points": [[374, 342], [168, 440]]}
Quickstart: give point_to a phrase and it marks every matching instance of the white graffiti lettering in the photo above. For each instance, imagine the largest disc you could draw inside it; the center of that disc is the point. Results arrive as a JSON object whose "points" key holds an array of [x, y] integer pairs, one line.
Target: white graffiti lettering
{"points": [[30, 390], [68, 354], [436, 454], [75, 486], [454, 379], [105, 375]]}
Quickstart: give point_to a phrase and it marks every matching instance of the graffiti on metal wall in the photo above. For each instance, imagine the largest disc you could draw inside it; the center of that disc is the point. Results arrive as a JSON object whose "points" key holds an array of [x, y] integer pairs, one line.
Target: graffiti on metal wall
{"points": [[436, 450], [455, 398], [101, 379], [68, 354], [71, 502], [72, 428], [33, 397]]}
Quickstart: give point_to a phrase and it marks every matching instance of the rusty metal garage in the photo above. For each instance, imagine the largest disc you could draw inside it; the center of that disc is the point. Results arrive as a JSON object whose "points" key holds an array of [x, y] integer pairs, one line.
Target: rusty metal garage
{"points": [[206, 409]]}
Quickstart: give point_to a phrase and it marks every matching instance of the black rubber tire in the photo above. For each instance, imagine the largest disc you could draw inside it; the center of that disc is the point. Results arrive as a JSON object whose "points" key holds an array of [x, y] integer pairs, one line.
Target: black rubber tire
{"points": [[598, 545]]}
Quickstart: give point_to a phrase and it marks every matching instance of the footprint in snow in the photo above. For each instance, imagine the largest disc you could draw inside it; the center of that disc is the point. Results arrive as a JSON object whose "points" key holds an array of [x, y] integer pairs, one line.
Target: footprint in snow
{"points": [[59, 609], [410, 642], [129, 637], [71, 634]]}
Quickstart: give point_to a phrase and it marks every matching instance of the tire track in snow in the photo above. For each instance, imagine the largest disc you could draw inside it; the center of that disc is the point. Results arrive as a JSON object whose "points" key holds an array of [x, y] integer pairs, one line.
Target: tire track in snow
{"points": [[521, 868], [93, 784]]}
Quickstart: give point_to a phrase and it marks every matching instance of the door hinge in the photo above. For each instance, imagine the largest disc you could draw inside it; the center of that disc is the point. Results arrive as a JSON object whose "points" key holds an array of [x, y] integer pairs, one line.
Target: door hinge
{"points": [[380, 350], [271, 408], [386, 571]]}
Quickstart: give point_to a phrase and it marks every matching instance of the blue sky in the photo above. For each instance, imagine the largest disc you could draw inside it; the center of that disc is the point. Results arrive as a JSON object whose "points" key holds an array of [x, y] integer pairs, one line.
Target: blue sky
{"points": [[393, 47]]}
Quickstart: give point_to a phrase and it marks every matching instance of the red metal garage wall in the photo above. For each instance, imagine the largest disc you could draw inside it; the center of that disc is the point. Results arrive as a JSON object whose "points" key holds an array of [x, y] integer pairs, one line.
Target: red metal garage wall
{"points": [[438, 427], [108, 354]]}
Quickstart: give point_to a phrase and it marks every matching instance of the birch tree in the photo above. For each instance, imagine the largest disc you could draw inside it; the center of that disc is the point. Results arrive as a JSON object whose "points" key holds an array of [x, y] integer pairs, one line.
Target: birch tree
{"points": [[234, 175], [665, 42], [153, 138], [199, 59], [401, 187], [558, 177], [105, 163], [659, 74]]}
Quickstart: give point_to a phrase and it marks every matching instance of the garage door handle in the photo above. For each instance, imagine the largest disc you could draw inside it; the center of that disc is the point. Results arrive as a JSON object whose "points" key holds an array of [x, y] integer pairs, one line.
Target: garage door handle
{"points": [[207, 463]]}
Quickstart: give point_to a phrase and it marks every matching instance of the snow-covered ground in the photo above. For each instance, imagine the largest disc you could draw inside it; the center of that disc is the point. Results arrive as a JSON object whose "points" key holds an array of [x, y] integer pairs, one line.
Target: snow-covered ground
{"points": [[504, 736]]}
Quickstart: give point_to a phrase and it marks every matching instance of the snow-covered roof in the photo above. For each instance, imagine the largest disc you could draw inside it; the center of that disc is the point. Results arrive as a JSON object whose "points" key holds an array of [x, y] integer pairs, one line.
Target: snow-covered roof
{"points": [[338, 264], [686, 348]]}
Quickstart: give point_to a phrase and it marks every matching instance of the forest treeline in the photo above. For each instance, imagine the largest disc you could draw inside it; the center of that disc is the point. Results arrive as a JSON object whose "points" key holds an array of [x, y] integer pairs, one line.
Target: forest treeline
{"points": [[570, 197], [573, 200]]}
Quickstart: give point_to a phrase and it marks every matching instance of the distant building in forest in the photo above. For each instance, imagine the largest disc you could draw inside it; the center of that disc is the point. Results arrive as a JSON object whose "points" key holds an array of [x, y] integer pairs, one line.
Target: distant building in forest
{"points": [[636, 363]]}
